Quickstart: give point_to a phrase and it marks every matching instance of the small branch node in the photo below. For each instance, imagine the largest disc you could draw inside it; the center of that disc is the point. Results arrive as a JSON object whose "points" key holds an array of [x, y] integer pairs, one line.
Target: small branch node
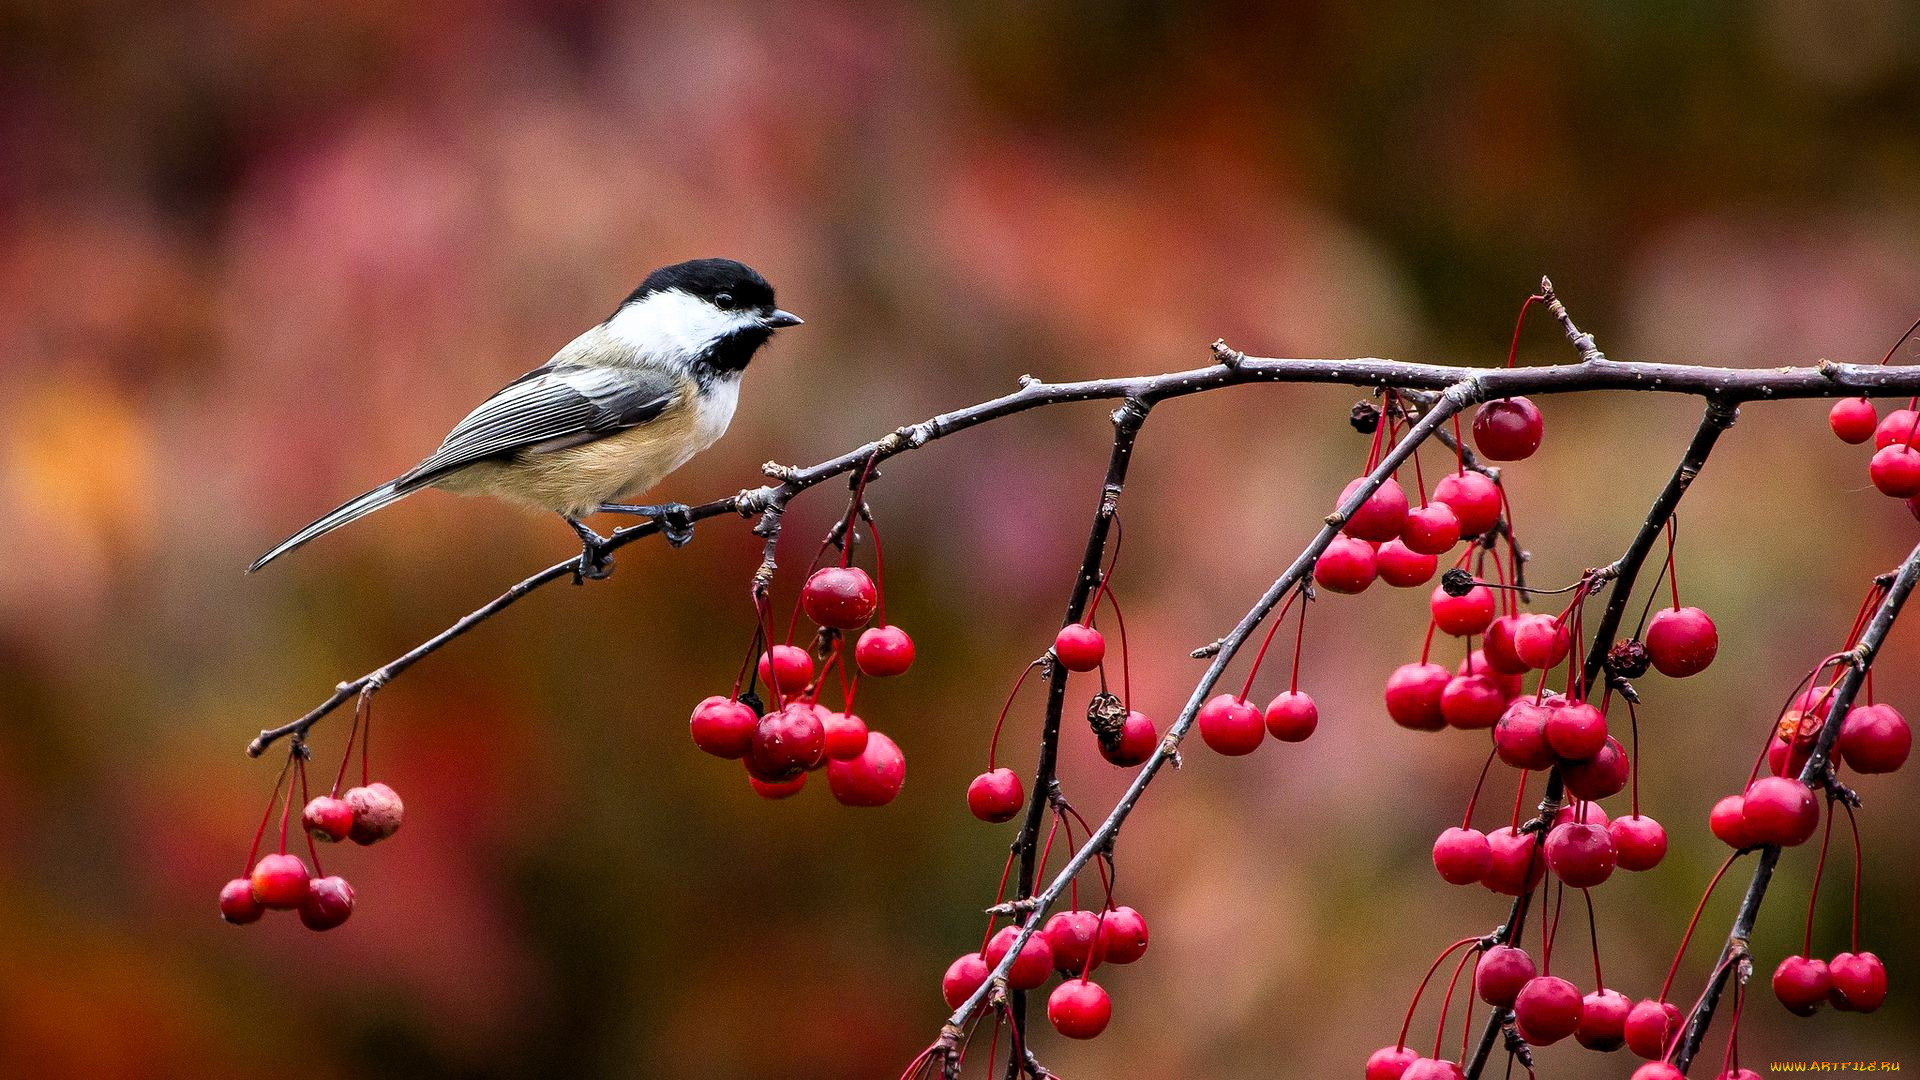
{"points": [[1228, 356]]}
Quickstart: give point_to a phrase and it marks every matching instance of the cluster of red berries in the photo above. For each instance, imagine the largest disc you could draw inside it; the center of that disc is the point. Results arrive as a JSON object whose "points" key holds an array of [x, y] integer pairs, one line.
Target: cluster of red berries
{"points": [[1895, 466], [1071, 943], [280, 881]]}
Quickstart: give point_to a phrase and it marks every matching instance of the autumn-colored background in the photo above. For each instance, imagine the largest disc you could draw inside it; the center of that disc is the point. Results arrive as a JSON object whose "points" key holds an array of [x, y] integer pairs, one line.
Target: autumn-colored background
{"points": [[256, 257]]}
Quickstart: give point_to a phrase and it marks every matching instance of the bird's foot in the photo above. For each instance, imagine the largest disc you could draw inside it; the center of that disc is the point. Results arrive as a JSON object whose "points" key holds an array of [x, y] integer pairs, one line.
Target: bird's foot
{"points": [[596, 555], [675, 519]]}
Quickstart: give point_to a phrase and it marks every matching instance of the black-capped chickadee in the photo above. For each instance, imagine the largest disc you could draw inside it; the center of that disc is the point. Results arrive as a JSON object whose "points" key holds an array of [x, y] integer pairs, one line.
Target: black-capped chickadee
{"points": [[611, 414]]}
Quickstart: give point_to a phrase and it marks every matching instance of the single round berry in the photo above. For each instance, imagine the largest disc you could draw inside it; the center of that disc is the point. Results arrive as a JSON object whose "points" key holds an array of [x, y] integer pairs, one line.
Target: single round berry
{"points": [[1135, 743], [966, 974], [1517, 866], [1802, 984], [786, 668], [1462, 855], [1780, 810], [237, 903], [1072, 936], [846, 734], [1030, 967], [1899, 426], [1462, 615], [1603, 1020], [1381, 517], [723, 727], [1576, 731], [1651, 1026], [996, 795], [1853, 420], [1520, 735], [1433, 1069], [1580, 855], [1658, 1070], [1432, 529], [1400, 566], [842, 597], [1079, 647], [1079, 1009], [1786, 758], [329, 901], [377, 812], [1639, 841], [1231, 726], [776, 789], [1540, 641], [280, 881], [787, 741], [1895, 470], [1507, 429], [1499, 646], [1390, 1062], [1474, 500], [1547, 1010], [883, 651], [1292, 716], [1123, 935], [1728, 821], [1859, 982], [1681, 641], [1412, 696], [1502, 971], [327, 819], [1600, 776], [873, 777], [1472, 702], [1874, 739], [1346, 566]]}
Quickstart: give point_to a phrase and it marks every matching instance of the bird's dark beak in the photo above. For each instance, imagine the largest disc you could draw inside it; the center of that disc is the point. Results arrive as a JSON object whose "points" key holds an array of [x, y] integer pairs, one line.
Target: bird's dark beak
{"points": [[778, 318]]}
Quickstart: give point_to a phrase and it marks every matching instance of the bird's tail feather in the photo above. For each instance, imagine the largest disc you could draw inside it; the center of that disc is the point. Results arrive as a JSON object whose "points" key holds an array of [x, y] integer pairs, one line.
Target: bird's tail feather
{"points": [[352, 510]]}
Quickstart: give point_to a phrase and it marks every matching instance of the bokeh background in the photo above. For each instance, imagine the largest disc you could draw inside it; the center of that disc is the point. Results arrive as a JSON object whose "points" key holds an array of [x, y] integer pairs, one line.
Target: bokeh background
{"points": [[258, 256]]}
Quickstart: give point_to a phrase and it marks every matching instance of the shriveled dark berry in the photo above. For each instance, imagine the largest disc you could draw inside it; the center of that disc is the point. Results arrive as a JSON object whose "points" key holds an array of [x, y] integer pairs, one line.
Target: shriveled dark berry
{"points": [[1628, 658], [1457, 582]]}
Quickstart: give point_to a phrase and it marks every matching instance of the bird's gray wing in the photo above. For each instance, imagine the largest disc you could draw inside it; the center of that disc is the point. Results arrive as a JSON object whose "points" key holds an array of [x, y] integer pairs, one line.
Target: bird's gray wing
{"points": [[549, 408]]}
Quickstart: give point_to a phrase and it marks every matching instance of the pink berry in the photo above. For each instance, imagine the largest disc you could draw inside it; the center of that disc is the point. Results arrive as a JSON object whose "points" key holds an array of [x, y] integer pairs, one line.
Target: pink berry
{"points": [[787, 668], [1853, 419], [842, 597], [1600, 776], [1547, 1010], [1079, 647], [1576, 731], [1123, 936], [237, 904], [871, 778], [1476, 663], [1433, 1069], [377, 812], [327, 819], [329, 901], [1400, 566], [1292, 716], [1681, 641], [1499, 646], [883, 651], [1346, 566], [1540, 641], [1640, 841], [1895, 470], [1898, 427], [1651, 1026], [1461, 616], [996, 795], [1381, 517], [966, 974], [1503, 970], [1390, 1062], [1135, 743], [1472, 702], [1658, 1070], [280, 881], [1802, 984], [1432, 529], [1079, 1009], [1033, 964], [1507, 429], [1780, 810], [1231, 726], [846, 734], [1728, 821], [1462, 855], [1874, 739], [723, 727], [1474, 499], [1072, 935], [776, 789], [1603, 1020], [1580, 855], [1413, 696], [1739, 1074], [787, 741], [1517, 865], [1520, 735], [1859, 982]]}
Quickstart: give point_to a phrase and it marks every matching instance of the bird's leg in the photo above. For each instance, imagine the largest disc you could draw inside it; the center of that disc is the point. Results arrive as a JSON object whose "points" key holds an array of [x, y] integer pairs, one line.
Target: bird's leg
{"points": [[676, 519], [595, 560]]}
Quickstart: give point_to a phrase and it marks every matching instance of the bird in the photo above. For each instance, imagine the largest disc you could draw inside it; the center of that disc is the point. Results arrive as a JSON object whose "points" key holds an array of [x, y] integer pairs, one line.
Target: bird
{"points": [[611, 415]]}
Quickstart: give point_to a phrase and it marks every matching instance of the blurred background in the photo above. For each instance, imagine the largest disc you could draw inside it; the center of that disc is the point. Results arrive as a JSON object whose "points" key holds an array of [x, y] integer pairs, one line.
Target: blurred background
{"points": [[258, 256]]}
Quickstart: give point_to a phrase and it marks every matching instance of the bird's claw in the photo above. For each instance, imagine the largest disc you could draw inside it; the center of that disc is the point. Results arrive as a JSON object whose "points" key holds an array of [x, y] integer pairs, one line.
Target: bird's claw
{"points": [[595, 563], [676, 524]]}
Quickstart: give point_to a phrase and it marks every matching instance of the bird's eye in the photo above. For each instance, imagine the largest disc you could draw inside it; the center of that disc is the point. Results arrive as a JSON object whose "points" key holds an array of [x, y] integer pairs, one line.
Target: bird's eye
{"points": [[724, 301]]}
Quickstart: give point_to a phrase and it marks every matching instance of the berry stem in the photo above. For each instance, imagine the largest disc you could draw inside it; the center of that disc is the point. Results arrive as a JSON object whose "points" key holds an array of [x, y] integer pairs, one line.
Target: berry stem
{"points": [[1853, 823], [1819, 870], [994, 745], [1593, 935], [1422, 988], [1694, 922], [1446, 1001], [266, 815], [1513, 350], [1466, 821]]}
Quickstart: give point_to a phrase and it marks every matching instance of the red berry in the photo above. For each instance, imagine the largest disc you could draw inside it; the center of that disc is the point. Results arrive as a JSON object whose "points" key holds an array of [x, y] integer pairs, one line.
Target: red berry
{"points": [[1802, 983], [842, 597], [1432, 529], [846, 734], [873, 777], [1390, 1062], [966, 974], [883, 651], [1462, 855], [237, 904], [1780, 810], [1472, 702], [996, 795], [1135, 744], [1898, 427], [1507, 429], [776, 789], [327, 818], [1413, 696], [1651, 1026], [1474, 500], [1600, 776], [1895, 470], [1580, 855], [1584, 813], [1786, 758], [1576, 730], [1382, 516], [1462, 615], [1033, 964], [1079, 647], [1499, 646], [1292, 716], [1540, 641], [723, 727], [1516, 866], [1853, 419], [1520, 735], [1231, 726], [787, 741], [1859, 982], [1433, 1069], [1658, 1070], [1079, 1009], [1347, 566], [1739, 1074], [786, 668], [1547, 1010], [1123, 936], [1400, 566], [1640, 841], [1603, 1020], [1681, 641], [1503, 970], [329, 901], [377, 812], [1728, 821], [1071, 935], [1874, 739], [280, 881]]}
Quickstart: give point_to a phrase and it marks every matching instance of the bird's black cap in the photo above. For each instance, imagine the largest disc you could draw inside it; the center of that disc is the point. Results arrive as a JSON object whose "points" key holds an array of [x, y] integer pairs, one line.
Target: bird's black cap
{"points": [[708, 279]]}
